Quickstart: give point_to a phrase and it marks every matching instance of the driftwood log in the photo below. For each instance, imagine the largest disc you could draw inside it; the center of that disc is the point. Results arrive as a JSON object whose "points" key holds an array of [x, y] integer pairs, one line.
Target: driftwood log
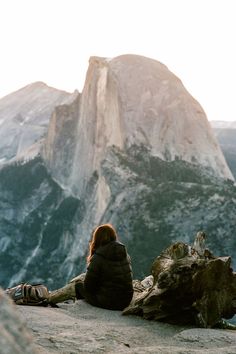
{"points": [[190, 286]]}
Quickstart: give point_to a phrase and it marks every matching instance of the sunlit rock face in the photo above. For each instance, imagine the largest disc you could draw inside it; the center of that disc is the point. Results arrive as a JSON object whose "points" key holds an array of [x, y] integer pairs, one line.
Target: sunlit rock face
{"points": [[24, 119], [133, 100]]}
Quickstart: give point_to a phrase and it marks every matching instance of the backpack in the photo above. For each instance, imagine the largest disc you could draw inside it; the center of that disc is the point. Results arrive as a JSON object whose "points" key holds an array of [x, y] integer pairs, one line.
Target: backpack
{"points": [[26, 294]]}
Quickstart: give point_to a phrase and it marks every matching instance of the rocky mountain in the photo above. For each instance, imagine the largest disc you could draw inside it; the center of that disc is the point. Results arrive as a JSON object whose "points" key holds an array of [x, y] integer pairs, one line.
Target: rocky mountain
{"points": [[134, 149], [24, 118], [131, 100], [226, 135]]}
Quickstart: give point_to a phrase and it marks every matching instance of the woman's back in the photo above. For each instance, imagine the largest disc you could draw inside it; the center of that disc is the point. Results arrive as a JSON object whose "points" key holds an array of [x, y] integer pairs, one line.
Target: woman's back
{"points": [[108, 281]]}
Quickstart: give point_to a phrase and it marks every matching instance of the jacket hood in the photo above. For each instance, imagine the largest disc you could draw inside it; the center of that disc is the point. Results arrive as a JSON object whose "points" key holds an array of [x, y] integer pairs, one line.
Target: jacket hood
{"points": [[114, 251]]}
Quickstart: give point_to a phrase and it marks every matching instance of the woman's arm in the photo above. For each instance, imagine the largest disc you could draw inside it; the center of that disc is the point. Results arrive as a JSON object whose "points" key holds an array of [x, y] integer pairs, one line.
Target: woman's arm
{"points": [[93, 275]]}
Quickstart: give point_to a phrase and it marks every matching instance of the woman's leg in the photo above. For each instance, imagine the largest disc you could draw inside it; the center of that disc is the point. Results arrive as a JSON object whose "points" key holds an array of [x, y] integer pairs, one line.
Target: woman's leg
{"points": [[62, 294], [67, 292], [79, 290]]}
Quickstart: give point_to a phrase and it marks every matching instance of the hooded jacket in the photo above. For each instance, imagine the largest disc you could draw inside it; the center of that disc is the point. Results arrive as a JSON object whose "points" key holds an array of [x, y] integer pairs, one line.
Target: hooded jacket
{"points": [[108, 280]]}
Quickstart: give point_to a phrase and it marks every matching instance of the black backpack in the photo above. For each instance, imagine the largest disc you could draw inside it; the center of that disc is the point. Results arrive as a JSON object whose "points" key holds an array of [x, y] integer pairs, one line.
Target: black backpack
{"points": [[27, 294]]}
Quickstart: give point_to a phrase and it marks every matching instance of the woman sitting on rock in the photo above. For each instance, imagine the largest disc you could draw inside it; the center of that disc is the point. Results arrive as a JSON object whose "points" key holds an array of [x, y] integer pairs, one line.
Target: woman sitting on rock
{"points": [[108, 280]]}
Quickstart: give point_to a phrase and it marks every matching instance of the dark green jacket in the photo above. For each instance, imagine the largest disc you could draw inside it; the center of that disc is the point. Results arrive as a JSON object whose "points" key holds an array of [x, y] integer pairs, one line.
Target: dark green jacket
{"points": [[108, 280]]}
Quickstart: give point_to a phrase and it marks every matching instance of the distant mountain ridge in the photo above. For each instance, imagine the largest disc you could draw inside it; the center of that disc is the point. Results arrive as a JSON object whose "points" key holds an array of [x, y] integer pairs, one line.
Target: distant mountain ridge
{"points": [[24, 118], [226, 135], [220, 124]]}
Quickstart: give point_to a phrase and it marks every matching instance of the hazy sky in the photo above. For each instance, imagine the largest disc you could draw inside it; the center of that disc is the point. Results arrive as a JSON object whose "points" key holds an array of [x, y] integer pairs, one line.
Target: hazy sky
{"points": [[52, 40]]}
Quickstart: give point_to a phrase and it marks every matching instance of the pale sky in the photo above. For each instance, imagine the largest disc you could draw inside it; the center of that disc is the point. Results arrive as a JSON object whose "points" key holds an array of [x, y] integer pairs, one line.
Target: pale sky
{"points": [[52, 40]]}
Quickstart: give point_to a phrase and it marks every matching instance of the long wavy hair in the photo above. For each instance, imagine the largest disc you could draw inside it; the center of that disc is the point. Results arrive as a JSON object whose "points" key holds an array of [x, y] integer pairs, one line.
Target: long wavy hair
{"points": [[101, 235]]}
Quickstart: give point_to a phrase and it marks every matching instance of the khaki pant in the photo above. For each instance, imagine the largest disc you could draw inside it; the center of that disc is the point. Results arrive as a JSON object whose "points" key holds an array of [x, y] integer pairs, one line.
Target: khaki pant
{"points": [[67, 292]]}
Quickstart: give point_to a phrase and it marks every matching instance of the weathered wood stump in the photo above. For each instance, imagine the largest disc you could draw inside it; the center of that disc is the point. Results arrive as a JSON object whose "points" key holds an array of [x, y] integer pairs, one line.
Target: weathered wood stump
{"points": [[190, 286]]}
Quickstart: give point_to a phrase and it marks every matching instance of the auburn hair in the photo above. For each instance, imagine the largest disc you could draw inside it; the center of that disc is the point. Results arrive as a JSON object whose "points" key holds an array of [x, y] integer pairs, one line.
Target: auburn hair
{"points": [[101, 235]]}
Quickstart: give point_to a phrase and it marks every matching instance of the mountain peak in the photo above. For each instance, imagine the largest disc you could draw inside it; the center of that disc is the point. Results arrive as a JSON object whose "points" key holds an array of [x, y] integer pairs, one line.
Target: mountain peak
{"points": [[38, 84], [130, 100]]}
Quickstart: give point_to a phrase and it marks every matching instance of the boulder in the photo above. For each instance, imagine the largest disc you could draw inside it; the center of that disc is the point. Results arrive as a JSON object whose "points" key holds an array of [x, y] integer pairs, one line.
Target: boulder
{"points": [[15, 337]]}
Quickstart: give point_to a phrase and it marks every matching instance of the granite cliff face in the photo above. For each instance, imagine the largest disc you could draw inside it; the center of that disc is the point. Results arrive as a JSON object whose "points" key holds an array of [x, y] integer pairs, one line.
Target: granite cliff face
{"points": [[134, 149], [132, 100]]}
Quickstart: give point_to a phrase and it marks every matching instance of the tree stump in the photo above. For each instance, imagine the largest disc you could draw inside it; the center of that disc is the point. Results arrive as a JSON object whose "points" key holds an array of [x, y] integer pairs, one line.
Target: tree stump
{"points": [[190, 287]]}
